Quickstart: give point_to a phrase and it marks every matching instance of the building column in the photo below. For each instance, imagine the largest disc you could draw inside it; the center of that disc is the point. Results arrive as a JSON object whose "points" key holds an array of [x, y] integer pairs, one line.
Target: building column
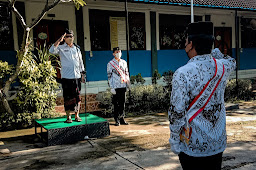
{"points": [[80, 31], [153, 42]]}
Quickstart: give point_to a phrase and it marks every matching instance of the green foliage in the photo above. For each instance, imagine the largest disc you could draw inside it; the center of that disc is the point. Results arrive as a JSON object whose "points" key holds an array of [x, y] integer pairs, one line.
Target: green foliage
{"points": [[138, 79], [244, 91], [21, 120], [79, 3], [37, 94], [167, 76], [141, 99], [38, 84], [5, 71], [147, 98], [156, 76], [105, 99]]}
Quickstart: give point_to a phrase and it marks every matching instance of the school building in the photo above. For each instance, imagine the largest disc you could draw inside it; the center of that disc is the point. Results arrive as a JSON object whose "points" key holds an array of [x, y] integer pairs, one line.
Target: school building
{"points": [[157, 32]]}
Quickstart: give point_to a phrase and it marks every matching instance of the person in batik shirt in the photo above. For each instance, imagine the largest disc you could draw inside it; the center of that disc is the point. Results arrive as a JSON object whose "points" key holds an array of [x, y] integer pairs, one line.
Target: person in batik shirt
{"points": [[119, 81], [197, 112]]}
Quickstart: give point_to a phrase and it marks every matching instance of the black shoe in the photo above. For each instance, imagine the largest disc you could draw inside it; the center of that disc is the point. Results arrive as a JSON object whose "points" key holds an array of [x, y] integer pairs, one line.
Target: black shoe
{"points": [[117, 124], [124, 123]]}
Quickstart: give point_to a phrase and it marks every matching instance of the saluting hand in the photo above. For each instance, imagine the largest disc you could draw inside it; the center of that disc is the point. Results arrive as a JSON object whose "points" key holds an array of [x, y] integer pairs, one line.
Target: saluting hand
{"points": [[62, 37], [56, 44]]}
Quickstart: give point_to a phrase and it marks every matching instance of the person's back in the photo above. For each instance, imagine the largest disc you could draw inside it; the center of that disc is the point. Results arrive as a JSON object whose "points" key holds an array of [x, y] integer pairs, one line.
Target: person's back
{"points": [[197, 111], [209, 133]]}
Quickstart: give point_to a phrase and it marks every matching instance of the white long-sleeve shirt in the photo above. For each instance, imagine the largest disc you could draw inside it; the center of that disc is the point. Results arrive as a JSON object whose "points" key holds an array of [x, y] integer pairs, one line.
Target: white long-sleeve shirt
{"points": [[209, 126], [71, 60], [114, 79]]}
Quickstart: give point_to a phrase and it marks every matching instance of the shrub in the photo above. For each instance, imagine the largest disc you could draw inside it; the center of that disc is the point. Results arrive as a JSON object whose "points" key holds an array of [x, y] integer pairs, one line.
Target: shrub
{"points": [[38, 84], [147, 98], [244, 91], [167, 76], [156, 76], [5, 71], [105, 99], [37, 93], [140, 99], [21, 120], [138, 79]]}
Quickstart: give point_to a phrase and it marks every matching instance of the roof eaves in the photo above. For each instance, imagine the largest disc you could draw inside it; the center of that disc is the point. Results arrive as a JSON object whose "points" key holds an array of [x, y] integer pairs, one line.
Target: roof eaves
{"points": [[196, 5]]}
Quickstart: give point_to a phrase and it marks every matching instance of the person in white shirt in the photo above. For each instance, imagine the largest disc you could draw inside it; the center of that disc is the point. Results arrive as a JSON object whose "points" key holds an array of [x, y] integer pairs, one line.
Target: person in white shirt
{"points": [[72, 73], [118, 80], [197, 111]]}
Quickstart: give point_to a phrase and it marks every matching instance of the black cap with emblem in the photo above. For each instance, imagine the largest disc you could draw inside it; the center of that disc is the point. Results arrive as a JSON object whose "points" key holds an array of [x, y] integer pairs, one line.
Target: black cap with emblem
{"points": [[116, 49]]}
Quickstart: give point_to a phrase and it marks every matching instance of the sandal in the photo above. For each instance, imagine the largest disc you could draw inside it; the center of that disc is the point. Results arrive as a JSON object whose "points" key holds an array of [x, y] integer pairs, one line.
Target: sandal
{"points": [[78, 119], [68, 121]]}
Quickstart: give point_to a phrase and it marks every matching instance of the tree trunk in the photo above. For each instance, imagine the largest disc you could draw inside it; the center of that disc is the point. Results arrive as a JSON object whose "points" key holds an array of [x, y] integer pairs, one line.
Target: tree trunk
{"points": [[20, 55]]}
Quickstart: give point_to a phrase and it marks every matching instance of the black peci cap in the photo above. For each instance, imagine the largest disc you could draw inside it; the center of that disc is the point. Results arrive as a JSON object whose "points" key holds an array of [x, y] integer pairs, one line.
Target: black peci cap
{"points": [[200, 29], [116, 49], [67, 31]]}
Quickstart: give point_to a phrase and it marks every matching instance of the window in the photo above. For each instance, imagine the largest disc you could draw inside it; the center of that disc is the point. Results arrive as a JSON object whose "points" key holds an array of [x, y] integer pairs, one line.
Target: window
{"points": [[6, 32], [172, 30], [248, 31], [108, 30], [137, 33]]}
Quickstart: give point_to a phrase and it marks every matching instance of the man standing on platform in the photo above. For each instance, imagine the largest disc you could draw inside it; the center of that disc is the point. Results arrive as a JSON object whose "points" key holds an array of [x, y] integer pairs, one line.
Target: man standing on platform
{"points": [[72, 73], [197, 113], [119, 81]]}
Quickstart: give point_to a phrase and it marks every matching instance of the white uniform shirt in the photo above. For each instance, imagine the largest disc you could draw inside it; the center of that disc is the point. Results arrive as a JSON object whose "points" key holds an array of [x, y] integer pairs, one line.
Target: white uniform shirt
{"points": [[209, 126], [71, 60], [114, 78]]}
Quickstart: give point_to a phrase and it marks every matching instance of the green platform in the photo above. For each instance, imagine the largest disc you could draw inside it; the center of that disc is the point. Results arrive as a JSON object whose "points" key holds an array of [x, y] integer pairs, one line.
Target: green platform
{"points": [[55, 131], [55, 123]]}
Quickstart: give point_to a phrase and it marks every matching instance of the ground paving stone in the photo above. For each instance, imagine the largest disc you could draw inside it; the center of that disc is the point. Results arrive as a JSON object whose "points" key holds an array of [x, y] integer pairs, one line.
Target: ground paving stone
{"points": [[33, 155]]}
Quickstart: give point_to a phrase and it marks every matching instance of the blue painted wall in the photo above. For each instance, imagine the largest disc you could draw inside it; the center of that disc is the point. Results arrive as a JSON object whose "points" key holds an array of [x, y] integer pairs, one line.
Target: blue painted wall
{"points": [[96, 66], [9, 56], [140, 61], [248, 59], [171, 60]]}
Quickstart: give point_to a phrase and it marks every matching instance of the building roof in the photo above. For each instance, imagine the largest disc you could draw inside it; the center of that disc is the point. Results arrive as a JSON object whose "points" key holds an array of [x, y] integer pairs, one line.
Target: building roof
{"points": [[227, 4]]}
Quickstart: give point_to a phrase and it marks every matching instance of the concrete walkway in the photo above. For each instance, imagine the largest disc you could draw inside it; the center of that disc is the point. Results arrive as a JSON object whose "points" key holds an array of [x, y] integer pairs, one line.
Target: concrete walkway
{"points": [[128, 154]]}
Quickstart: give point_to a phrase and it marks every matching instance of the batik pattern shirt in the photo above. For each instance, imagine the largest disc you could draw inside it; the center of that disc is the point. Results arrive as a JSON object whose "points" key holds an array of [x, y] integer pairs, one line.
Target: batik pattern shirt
{"points": [[118, 74], [71, 60], [209, 126]]}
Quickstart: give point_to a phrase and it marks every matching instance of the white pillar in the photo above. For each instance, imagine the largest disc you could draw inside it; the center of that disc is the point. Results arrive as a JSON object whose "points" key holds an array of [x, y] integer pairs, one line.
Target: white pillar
{"points": [[192, 11]]}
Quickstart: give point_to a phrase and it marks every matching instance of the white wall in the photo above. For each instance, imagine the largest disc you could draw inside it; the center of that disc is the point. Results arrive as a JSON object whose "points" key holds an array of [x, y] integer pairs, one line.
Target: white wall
{"points": [[65, 12], [229, 20]]}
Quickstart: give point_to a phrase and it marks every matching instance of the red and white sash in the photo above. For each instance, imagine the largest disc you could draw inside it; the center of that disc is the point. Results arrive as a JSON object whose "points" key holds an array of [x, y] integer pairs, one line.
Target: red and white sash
{"points": [[119, 70], [202, 100]]}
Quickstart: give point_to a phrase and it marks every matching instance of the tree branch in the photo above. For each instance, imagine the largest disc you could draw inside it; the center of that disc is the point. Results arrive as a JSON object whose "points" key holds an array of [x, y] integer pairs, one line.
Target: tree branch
{"points": [[18, 15], [46, 9], [12, 2]]}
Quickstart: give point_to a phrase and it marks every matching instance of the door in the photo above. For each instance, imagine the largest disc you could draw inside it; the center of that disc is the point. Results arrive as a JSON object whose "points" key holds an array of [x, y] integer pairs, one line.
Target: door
{"points": [[223, 39], [49, 31]]}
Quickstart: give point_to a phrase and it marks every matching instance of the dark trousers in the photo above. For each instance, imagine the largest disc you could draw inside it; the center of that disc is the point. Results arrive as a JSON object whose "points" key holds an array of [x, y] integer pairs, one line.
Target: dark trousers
{"points": [[119, 104], [71, 93], [200, 163]]}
